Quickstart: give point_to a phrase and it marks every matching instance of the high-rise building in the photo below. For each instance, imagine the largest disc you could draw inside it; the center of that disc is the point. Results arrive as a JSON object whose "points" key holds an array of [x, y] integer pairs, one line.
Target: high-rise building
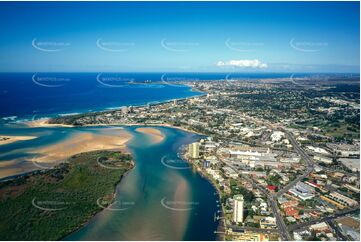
{"points": [[193, 150], [238, 208]]}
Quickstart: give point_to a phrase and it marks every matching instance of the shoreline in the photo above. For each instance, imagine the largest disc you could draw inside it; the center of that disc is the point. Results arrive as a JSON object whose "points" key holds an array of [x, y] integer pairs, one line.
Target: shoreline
{"points": [[204, 175], [128, 167], [29, 122], [43, 122], [121, 179]]}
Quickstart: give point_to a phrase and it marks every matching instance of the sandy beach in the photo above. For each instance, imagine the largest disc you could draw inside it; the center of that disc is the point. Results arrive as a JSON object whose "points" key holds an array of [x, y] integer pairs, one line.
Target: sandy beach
{"points": [[44, 123], [4, 139], [156, 135]]}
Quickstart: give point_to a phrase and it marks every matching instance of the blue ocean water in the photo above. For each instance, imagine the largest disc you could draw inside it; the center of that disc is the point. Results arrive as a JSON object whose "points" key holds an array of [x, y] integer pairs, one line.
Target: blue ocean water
{"points": [[29, 95], [36, 95]]}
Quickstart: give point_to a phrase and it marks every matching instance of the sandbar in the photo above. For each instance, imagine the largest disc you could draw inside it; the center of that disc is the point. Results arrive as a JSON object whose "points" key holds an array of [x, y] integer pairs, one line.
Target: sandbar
{"points": [[156, 135], [5, 139], [83, 142]]}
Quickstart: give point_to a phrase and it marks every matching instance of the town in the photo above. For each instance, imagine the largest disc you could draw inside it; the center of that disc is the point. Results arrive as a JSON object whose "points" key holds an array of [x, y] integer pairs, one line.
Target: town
{"points": [[283, 154]]}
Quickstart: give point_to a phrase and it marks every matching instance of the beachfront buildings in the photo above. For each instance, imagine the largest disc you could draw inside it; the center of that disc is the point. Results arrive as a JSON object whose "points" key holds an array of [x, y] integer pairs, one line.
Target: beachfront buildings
{"points": [[238, 208], [193, 150]]}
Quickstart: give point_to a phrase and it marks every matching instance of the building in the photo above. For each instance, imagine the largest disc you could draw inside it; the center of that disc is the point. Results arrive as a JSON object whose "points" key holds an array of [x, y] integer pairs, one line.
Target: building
{"points": [[249, 236], [303, 191], [323, 159], [238, 208], [193, 150], [291, 211], [346, 201], [267, 223], [289, 204]]}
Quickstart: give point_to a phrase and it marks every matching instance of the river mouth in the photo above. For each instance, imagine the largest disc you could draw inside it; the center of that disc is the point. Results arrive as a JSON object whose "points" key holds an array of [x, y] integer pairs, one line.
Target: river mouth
{"points": [[157, 200], [161, 198]]}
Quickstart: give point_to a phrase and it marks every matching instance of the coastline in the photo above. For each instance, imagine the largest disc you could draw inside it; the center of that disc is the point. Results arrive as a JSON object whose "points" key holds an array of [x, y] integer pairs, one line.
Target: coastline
{"points": [[121, 179], [31, 122], [44, 122], [204, 175], [80, 165]]}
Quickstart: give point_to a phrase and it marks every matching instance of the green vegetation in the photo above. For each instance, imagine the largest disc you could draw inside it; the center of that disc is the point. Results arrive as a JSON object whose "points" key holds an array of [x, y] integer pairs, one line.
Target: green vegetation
{"points": [[51, 204], [237, 188]]}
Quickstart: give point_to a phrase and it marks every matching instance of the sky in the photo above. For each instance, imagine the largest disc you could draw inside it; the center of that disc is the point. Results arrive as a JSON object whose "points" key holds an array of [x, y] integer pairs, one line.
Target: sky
{"points": [[180, 37]]}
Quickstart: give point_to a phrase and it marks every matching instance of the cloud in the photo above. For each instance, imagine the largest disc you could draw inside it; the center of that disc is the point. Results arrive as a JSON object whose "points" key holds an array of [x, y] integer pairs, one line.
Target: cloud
{"points": [[243, 63]]}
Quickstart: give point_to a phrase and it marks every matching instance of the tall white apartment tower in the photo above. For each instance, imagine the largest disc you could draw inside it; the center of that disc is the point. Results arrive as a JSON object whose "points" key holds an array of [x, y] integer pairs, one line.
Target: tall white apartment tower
{"points": [[193, 150], [238, 208]]}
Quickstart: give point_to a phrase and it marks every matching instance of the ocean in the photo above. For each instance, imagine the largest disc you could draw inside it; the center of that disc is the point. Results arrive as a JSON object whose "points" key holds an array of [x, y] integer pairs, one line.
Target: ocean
{"points": [[39, 95], [162, 202]]}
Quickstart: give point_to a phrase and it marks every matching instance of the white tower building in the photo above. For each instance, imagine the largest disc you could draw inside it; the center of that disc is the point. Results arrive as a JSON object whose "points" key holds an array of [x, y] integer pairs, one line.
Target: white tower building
{"points": [[193, 150], [238, 208]]}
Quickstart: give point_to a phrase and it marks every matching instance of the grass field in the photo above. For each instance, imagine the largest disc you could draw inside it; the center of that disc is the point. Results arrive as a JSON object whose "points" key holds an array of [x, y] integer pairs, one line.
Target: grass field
{"points": [[52, 204]]}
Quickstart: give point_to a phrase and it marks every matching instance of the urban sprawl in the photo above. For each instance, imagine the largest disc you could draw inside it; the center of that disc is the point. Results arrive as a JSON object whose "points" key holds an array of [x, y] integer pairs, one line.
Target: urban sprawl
{"points": [[284, 154]]}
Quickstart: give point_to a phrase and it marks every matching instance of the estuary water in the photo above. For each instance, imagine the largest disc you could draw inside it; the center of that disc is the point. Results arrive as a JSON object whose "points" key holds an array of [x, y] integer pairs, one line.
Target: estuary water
{"points": [[162, 198]]}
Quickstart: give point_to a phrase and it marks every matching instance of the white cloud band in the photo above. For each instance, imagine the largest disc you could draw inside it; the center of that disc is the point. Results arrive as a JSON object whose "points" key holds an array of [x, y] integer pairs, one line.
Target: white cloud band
{"points": [[243, 63]]}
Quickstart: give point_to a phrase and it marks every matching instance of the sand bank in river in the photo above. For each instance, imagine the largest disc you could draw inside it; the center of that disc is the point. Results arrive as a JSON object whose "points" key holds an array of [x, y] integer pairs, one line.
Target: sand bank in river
{"points": [[49, 155], [83, 142], [156, 135], [4, 139]]}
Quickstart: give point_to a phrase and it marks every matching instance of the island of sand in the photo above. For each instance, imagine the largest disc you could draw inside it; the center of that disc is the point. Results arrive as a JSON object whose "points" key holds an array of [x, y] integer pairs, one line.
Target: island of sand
{"points": [[156, 135], [10, 139], [114, 139]]}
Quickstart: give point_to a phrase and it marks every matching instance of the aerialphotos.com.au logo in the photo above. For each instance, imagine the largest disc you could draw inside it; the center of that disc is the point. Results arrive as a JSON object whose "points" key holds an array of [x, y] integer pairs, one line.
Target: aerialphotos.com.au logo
{"points": [[178, 46], [49, 80], [232, 77], [49, 205], [118, 205], [40, 165], [113, 80], [306, 46], [50, 46], [102, 162], [178, 205], [174, 163], [243, 46], [114, 46], [171, 80]]}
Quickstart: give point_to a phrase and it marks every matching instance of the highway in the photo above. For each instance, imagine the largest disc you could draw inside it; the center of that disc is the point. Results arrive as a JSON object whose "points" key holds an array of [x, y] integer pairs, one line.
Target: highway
{"points": [[306, 158]]}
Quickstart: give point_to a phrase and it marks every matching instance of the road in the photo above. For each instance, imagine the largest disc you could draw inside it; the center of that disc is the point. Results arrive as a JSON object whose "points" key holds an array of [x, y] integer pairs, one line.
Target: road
{"points": [[272, 201], [306, 158], [325, 219], [339, 235], [253, 229], [283, 229]]}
